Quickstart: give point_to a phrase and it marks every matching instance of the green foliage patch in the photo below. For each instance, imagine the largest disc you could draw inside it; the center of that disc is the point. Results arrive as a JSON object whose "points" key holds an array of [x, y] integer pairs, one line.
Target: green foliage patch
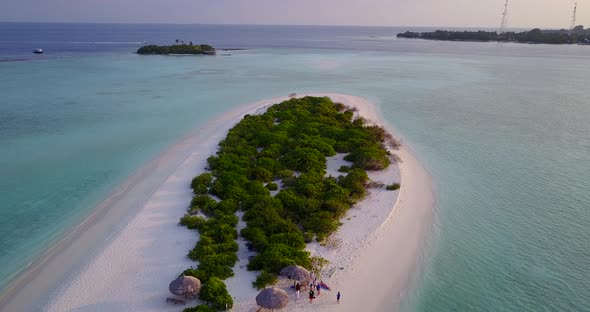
{"points": [[215, 292], [200, 308], [264, 279], [393, 187], [290, 143]]}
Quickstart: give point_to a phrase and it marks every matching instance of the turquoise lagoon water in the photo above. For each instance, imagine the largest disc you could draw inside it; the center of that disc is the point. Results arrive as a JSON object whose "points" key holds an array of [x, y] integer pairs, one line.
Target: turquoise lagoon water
{"points": [[503, 129]]}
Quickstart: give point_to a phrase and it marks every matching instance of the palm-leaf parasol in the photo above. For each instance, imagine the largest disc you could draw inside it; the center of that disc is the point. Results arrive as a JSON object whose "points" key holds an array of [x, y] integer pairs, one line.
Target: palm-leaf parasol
{"points": [[272, 298], [296, 272], [187, 286]]}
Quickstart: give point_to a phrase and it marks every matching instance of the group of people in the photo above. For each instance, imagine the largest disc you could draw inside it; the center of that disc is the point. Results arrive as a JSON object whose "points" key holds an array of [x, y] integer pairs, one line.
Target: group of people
{"points": [[313, 287]]}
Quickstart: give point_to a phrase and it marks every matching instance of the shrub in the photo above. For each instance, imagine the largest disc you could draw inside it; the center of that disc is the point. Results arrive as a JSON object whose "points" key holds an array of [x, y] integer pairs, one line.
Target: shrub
{"points": [[260, 174], [335, 192], [344, 169], [215, 292], [393, 187], [277, 256], [205, 248], [285, 174], [203, 202], [256, 237], [200, 274], [204, 179], [228, 259], [220, 232], [369, 158], [200, 308], [217, 188], [192, 222], [264, 279], [273, 151], [227, 209], [292, 239], [270, 164], [337, 208], [200, 189], [355, 181], [209, 270], [318, 143], [322, 223], [318, 264], [305, 159], [272, 186], [308, 237], [359, 122], [256, 188], [290, 181]]}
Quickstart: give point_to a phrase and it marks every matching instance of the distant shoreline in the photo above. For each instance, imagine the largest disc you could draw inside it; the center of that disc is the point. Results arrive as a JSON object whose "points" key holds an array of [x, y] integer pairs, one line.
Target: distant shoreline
{"points": [[536, 36]]}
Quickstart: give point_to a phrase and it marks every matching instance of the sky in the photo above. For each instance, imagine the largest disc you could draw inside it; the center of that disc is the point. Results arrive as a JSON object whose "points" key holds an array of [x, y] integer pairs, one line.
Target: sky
{"points": [[450, 13]]}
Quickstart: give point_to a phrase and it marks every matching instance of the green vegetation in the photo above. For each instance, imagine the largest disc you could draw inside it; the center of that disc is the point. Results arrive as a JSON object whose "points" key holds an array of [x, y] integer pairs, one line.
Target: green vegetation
{"points": [[216, 250], [289, 143], [393, 187], [577, 35], [344, 169], [215, 292], [272, 186], [200, 308], [177, 49], [318, 264], [265, 278]]}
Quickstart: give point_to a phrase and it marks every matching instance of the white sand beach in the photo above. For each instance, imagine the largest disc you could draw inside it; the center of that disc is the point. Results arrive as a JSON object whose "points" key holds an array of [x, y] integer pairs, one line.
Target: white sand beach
{"points": [[124, 256]]}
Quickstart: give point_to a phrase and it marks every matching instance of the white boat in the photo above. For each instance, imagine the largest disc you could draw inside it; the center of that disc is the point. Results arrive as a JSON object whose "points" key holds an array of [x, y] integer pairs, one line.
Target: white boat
{"points": [[38, 51]]}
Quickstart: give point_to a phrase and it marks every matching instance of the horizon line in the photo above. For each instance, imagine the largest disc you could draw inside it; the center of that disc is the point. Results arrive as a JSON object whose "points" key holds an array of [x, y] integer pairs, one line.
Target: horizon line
{"points": [[262, 24]]}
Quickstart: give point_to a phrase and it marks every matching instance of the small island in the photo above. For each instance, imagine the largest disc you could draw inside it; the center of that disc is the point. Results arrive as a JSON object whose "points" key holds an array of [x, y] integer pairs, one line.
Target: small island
{"points": [[180, 48], [270, 173], [577, 35]]}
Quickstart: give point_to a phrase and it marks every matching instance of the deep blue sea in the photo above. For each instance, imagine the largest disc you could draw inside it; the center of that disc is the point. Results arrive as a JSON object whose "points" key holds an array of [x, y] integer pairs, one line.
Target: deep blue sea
{"points": [[504, 130]]}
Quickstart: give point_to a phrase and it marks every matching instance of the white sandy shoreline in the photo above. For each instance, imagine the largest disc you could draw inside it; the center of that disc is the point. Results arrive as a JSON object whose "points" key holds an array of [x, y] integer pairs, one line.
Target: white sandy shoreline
{"points": [[130, 269]]}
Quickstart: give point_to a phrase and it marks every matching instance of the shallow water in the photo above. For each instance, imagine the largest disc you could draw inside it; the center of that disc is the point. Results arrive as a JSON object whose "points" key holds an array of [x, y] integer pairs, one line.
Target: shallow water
{"points": [[504, 130]]}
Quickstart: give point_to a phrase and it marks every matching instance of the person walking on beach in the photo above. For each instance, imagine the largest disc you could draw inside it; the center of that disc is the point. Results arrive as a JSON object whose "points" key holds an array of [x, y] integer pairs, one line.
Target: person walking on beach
{"points": [[318, 287], [311, 295], [338, 297], [297, 290]]}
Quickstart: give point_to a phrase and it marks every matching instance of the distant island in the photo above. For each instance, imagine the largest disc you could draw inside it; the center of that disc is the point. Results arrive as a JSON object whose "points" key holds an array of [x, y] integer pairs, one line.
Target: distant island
{"points": [[178, 48], [578, 35]]}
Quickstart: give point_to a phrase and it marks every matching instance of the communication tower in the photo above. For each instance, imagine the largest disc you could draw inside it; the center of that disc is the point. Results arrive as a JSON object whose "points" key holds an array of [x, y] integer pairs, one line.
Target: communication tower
{"points": [[504, 21], [573, 24]]}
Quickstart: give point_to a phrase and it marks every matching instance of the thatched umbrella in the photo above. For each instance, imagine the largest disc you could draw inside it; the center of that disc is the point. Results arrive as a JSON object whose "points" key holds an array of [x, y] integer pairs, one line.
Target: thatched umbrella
{"points": [[272, 298], [297, 273], [187, 286]]}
